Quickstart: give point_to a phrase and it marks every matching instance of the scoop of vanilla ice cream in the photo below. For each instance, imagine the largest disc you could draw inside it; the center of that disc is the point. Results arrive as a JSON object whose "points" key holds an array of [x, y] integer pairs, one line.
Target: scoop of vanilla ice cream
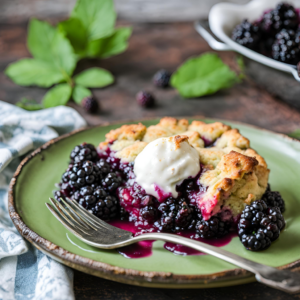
{"points": [[165, 163]]}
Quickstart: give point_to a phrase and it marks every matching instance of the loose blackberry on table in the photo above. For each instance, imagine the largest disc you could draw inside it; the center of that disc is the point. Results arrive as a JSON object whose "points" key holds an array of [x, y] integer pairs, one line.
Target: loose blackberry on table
{"points": [[145, 99], [90, 104], [162, 78]]}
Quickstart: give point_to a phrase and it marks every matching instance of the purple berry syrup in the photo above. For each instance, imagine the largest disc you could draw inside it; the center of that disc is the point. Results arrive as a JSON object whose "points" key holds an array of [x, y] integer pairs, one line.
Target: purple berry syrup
{"points": [[144, 248]]}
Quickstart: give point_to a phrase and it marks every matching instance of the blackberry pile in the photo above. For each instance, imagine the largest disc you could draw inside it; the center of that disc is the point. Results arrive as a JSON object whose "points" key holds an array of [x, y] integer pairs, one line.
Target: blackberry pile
{"points": [[283, 16], [92, 181], [260, 225], [275, 34]]}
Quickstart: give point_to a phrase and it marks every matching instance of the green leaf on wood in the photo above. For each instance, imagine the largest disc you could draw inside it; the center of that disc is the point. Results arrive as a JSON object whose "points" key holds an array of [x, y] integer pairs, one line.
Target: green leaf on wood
{"points": [[94, 78], [76, 33], [30, 71], [49, 44], [295, 134], [58, 95], [203, 75], [80, 92], [97, 16], [111, 45], [29, 104]]}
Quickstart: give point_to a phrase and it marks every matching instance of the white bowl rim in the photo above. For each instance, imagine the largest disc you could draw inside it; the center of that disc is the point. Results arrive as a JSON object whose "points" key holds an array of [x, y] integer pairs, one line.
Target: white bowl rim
{"points": [[222, 12]]}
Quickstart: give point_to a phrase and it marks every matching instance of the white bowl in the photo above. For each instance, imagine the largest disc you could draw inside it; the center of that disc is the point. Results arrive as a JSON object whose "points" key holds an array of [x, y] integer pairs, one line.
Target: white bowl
{"points": [[223, 17]]}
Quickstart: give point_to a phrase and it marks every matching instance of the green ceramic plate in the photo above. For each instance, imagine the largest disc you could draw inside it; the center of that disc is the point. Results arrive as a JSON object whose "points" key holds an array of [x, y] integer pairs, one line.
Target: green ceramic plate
{"points": [[34, 183]]}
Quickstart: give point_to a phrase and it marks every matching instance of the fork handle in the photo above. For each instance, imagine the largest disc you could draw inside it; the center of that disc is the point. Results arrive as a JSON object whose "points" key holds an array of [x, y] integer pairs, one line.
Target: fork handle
{"points": [[279, 279]]}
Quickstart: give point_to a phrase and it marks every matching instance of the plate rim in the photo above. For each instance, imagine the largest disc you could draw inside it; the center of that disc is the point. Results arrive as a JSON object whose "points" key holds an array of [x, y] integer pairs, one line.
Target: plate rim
{"points": [[124, 275]]}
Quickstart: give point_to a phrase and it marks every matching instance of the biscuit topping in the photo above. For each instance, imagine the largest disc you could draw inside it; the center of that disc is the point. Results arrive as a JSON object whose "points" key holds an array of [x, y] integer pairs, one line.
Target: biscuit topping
{"points": [[165, 163]]}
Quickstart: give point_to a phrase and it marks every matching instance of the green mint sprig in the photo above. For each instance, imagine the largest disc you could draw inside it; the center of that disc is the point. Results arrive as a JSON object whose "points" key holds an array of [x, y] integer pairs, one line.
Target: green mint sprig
{"points": [[89, 33], [203, 75]]}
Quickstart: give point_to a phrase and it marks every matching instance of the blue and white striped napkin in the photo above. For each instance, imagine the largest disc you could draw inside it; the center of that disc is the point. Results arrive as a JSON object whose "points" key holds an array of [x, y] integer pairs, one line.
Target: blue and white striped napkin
{"points": [[25, 272]]}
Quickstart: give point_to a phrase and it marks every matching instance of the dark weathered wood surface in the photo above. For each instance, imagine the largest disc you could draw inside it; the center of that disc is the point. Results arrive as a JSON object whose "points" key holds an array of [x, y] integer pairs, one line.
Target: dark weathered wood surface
{"points": [[153, 47], [133, 10]]}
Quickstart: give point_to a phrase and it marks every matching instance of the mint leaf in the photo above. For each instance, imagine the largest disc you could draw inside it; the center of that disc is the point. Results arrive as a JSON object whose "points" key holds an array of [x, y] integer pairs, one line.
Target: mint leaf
{"points": [[30, 71], [202, 75], [111, 45], [97, 16], [58, 95], [80, 92], [295, 134], [29, 104], [76, 33], [49, 44], [94, 78]]}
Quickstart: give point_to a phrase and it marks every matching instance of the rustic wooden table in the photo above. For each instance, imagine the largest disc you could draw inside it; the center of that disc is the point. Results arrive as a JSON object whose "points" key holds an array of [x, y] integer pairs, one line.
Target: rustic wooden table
{"points": [[155, 46]]}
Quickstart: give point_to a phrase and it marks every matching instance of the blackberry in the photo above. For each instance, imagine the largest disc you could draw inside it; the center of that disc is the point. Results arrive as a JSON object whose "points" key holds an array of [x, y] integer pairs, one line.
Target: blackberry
{"points": [[85, 196], [104, 166], [58, 195], [247, 34], [79, 175], [107, 208], [168, 210], [213, 228], [111, 182], [83, 153], [145, 99], [90, 104], [148, 213], [162, 79], [185, 216], [260, 225], [95, 198], [176, 215], [132, 196], [127, 170], [113, 162], [285, 49], [283, 16], [274, 199], [124, 215]]}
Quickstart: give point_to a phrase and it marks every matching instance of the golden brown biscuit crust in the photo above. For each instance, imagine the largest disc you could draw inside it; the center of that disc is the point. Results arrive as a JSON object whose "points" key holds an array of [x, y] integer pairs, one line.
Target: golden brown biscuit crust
{"points": [[131, 132]]}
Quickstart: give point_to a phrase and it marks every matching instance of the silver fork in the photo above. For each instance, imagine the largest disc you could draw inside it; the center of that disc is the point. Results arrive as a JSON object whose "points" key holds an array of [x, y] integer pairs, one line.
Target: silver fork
{"points": [[100, 234]]}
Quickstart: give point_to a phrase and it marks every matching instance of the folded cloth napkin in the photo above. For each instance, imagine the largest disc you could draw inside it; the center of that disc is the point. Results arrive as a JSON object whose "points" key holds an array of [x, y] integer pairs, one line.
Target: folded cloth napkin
{"points": [[25, 272]]}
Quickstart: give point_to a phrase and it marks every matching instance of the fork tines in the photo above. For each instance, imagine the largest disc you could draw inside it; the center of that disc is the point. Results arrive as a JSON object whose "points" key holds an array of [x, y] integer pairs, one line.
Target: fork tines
{"points": [[74, 216]]}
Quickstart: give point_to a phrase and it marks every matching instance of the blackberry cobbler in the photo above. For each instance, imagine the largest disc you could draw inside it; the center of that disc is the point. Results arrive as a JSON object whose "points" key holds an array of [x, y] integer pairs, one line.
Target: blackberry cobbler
{"points": [[178, 177]]}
